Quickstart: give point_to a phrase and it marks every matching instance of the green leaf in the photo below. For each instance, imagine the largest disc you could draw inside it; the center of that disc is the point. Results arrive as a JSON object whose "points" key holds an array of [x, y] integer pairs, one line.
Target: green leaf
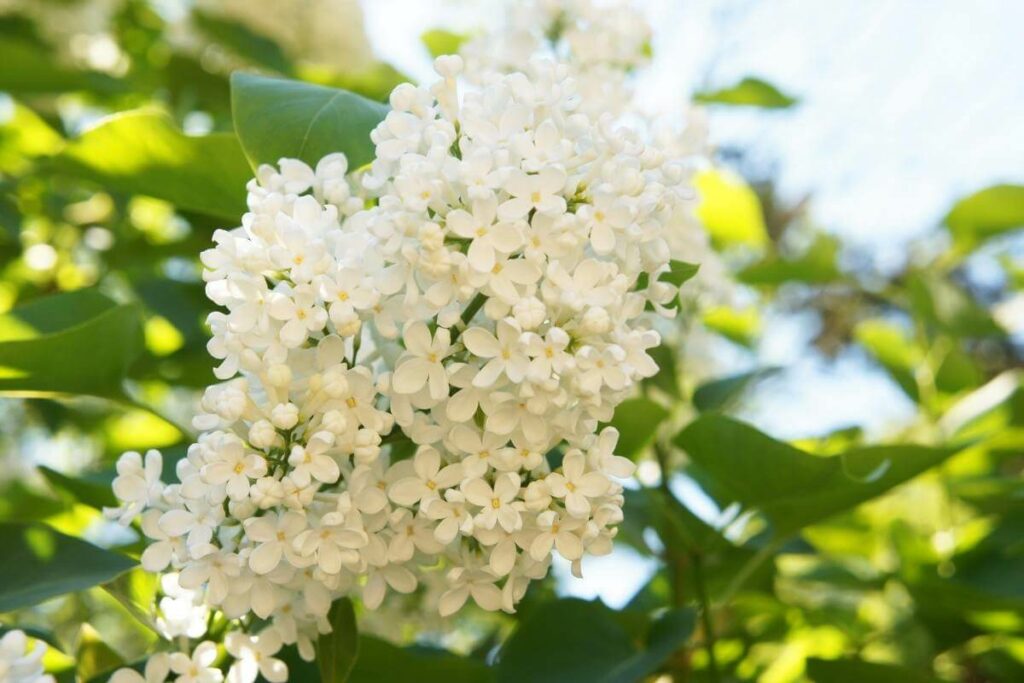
{"points": [[816, 265], [75, 343], [277, 118], [667, 378], [336, 651], [724, 393], [142, 152], [944, 304], [790, 487], [39, 563], [749, 92], [986, 213], [730, 209], [637, 420], [893, 348], [738, 325], [679, 272], [570, 641], [859, 671], [253, 47], [382, 662], [26, 67], [91, 489], [439, 42]]}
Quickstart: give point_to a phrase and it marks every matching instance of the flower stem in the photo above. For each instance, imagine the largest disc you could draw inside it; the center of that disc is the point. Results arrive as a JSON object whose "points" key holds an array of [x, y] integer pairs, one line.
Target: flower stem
{"points": [[705, 614]]}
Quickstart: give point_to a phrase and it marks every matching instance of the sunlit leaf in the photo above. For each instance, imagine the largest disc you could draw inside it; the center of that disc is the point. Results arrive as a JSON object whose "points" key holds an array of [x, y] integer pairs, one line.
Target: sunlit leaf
{"points": [[893, 348], [439, 41], [729, 209], [788, 486], [38, 563], [142, 152], [74, 343], [749, 92], [986, 213], [92, 489], [277, 118], [739, 325]]}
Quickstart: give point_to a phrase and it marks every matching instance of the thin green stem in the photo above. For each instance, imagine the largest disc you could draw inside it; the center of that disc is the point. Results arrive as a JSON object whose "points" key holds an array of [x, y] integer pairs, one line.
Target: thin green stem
{"points": [[467, 315], [705, 615]]}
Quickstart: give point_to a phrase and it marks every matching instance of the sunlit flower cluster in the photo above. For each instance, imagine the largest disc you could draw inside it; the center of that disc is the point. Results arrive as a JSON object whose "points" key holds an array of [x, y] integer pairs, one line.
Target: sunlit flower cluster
{"points": [[21, 662], [602, 43], [415, 378]]}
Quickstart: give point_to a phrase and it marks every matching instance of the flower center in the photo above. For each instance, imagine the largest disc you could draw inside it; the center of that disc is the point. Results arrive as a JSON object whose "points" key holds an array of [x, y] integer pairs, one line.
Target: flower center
{"points": [[495, 503]]}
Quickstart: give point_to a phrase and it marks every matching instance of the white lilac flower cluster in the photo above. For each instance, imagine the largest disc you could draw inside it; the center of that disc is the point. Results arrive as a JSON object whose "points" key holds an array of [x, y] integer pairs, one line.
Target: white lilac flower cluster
{"points": [[602, 42], [21, 662], [414, 382], [606, 44]]}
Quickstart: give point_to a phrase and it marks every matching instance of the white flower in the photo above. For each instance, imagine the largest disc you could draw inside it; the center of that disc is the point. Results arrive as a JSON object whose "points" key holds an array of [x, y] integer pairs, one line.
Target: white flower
{"points": [[539, 192], [199, 667], [429, 481], [312, 462], [506, 353], [423, 361], [563, 533], [274, 536], [254, 656], [496, 504], [485, 235], [158, 667], [137, 484], [20, 663], [576, 485], [234, 468]]}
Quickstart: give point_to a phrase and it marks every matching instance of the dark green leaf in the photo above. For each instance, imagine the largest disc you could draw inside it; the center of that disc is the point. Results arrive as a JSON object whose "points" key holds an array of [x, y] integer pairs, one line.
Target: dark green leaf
{"points": [[679, 272], [724, 393], [667, 378], [75, 343], [142, 152], [986, 213], [382, 662], [790, 487], [39, 563], [277, 118], [570, 641], [91, 489], [637, 420], [750, 92], [439, 42], [859, 671], [336, 651]]}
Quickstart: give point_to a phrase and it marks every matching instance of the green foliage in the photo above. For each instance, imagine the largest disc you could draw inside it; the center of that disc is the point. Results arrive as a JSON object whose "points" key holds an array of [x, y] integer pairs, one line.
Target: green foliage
{"points": [[39, 563], [573, 640], [790, 487], [730, 210], [75, 343], [986, 213], [142, 152], [749, 92], [382, 662], [637, 420], [721, 394], [277, 118], [337, 651]]}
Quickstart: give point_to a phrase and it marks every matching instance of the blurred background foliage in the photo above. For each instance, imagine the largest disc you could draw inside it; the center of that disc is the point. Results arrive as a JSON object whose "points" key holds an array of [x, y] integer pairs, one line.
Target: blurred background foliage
{"points": [[849, 555]]}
